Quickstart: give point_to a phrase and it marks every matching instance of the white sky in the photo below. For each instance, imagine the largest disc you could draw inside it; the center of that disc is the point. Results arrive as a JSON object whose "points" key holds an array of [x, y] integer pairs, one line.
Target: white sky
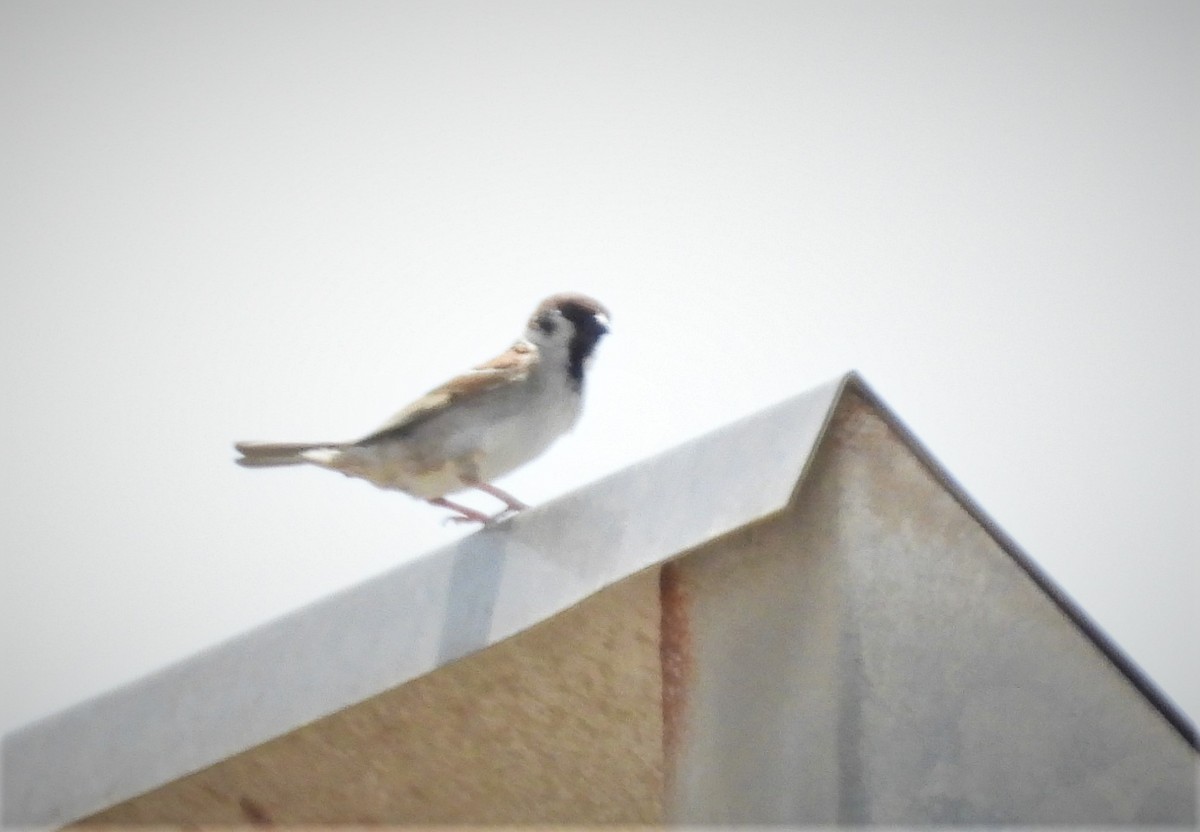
{"points": [[278, 220]]}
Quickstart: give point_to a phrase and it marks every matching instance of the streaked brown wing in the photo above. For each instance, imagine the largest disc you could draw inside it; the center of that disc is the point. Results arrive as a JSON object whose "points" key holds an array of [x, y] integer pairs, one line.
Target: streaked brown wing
{"points": [[512, 365]]}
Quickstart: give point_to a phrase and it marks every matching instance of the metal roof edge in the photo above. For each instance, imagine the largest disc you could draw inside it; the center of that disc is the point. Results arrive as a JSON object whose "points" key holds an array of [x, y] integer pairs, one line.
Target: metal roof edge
{"points": [[1090, 629], [427, 612], [420, 615]]}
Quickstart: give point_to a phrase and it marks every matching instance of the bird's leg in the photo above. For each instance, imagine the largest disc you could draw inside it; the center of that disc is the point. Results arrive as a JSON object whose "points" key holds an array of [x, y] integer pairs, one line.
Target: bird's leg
{"points": [[503, 496], [465, 514]]}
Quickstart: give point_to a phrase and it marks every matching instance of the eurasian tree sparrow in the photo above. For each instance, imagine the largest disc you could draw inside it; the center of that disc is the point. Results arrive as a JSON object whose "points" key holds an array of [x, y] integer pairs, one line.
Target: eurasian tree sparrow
{"points": [[476, 427]]}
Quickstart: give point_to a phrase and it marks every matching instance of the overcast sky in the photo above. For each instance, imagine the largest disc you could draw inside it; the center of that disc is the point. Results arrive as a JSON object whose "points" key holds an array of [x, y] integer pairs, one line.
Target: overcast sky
{"points": [[229, 220]]}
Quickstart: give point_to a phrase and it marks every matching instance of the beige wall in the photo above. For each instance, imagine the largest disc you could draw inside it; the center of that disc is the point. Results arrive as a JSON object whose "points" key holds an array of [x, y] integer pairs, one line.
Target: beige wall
{"points": [[559, 724]]}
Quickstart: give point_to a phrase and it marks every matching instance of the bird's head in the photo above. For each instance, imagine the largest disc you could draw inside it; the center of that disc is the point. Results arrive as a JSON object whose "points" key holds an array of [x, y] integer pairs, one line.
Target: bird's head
{"points": [[571, 325]]}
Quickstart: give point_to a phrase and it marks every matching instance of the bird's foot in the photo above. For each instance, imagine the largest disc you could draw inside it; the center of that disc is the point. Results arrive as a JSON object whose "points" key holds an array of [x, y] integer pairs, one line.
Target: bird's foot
{"points": [[463, 514], [479, 517], [512, 504]]}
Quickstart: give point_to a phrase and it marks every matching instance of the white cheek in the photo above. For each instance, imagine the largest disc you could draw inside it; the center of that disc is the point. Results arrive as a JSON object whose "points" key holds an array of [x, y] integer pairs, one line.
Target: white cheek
{"points": [[561, 336]]}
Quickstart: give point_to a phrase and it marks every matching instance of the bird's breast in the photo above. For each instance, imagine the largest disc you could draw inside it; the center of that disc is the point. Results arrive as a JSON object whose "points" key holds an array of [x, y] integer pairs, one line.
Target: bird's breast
{"points": [[511, 442]]}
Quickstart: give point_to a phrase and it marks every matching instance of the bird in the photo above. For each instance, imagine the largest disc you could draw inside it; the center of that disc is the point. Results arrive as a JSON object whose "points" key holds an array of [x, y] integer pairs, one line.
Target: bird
{"points": [[476, 427]]}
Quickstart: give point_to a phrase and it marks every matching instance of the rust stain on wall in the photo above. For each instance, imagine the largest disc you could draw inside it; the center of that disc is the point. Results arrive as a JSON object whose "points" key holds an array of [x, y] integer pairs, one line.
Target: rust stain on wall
{"points": [[676, 656], [253, 811]]}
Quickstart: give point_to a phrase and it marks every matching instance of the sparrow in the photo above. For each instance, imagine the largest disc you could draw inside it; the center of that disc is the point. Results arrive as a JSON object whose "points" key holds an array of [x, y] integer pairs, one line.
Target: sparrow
{"points": [[476, 427]]}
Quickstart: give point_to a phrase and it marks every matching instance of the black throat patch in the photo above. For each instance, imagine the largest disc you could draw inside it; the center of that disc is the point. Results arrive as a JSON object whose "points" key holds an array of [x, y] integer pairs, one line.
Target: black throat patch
{"points": [[588, 332]]}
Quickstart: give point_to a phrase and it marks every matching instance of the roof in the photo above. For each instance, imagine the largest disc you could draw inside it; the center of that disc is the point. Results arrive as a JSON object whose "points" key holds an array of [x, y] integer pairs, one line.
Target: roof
{"points": [[454, 600]]}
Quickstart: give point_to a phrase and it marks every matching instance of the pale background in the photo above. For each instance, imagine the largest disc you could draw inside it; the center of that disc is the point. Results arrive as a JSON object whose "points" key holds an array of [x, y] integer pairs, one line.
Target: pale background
{"points": [[225, 220]]}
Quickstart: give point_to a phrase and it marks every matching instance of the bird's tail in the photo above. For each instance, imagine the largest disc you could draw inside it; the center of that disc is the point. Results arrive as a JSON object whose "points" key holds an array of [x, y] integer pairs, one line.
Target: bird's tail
{"points": [[268, 454]]}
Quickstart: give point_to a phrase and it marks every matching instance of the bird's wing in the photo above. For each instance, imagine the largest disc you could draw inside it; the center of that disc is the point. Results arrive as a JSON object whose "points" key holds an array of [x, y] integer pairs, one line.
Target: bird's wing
{"points": [[513, 365]]}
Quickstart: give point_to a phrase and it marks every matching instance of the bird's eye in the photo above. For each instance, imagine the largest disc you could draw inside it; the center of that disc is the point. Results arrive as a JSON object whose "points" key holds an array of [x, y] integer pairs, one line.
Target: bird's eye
{"points": [[546, 323]]}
